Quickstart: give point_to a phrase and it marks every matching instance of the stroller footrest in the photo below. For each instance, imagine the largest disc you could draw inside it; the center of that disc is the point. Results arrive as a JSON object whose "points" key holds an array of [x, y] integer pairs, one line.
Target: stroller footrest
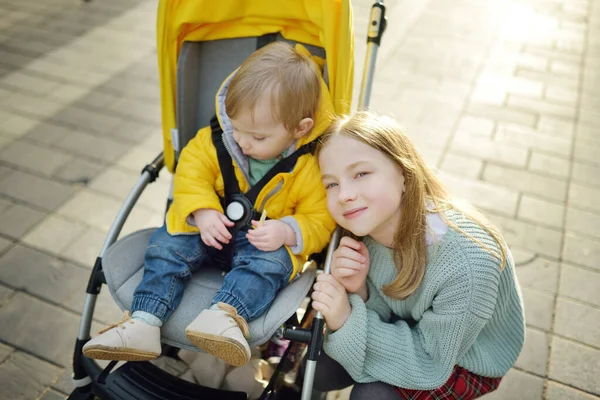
{"points": [[143, 380]]}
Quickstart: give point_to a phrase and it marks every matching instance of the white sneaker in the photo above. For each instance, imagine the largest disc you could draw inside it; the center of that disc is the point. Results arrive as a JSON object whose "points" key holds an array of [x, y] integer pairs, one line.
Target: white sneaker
{"points": [[222, 333], [127, 340]]}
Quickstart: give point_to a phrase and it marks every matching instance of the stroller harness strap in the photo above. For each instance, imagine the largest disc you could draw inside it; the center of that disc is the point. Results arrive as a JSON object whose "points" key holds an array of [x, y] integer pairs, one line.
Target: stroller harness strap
{"points": [[232, 188], [238, 206]]}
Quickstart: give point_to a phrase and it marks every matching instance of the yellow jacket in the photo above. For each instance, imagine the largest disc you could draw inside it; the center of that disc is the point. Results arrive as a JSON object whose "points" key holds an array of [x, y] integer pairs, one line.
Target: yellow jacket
{"points": [[296, 198]]}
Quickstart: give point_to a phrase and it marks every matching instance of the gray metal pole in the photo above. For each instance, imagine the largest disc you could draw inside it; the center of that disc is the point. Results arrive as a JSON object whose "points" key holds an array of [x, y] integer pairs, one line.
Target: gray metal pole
{"points": [[377, 25]]}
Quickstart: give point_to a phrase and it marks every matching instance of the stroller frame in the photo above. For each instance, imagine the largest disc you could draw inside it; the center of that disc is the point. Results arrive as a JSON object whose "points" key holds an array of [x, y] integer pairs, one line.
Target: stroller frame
{"points": [[143, 380]]}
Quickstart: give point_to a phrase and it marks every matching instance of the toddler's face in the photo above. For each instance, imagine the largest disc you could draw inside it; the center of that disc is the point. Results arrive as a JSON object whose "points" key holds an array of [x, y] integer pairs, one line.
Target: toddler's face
{"points": [[261, 137], [364, 187]]}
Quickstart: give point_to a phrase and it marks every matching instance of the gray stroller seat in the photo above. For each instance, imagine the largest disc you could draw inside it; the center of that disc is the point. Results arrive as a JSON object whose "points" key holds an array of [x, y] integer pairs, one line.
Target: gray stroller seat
{"points": [[202, 67], [123, 269]]}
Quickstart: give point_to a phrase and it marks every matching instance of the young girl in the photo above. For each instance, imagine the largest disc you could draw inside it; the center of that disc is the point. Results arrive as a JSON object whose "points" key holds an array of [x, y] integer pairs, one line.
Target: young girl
{"points": [[427, 305]]}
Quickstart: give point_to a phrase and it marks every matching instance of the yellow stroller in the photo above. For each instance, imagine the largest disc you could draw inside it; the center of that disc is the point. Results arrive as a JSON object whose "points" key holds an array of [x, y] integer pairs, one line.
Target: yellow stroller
{"points": [[199, 43]]}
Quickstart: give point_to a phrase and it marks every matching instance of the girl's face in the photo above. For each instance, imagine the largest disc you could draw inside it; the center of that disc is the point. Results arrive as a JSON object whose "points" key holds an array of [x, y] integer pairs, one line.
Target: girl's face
{"points": [[364, 188]]}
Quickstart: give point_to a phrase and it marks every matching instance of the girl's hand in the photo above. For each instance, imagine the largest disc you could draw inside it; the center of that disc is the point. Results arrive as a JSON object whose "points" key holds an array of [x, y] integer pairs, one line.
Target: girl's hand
{"points": [[271, 235], [212, 225], [330, 298], [350, 265]]}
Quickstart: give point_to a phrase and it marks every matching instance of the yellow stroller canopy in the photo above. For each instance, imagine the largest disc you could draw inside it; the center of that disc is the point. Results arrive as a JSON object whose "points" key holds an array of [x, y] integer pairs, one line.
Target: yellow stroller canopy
{"points": [[322, 23]]}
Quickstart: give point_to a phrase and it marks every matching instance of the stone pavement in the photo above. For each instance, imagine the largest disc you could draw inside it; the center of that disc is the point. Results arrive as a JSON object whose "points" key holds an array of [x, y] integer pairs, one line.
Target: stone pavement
{"points": [[501, 96]]}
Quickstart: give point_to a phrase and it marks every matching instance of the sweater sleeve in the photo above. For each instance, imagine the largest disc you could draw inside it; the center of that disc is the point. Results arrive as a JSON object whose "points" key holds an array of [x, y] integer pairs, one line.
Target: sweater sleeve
{"points": [[424, 355]]}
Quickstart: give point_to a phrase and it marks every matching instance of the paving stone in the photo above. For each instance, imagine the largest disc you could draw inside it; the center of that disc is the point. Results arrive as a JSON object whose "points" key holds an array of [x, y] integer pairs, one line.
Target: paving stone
{"points": [[115, 182], [518, 385], [148, 112], [28, 314], [557, 126], [29, 83], [32, 157], [532, 139], [25, 377], [54, 234], [525, 181], [483, 194], [4, 244], [132, 131], [5, 351], [539, 307], [88, 120], [577, 321], [584, 197], [539, 274], [540, 106], [557, 391], [106, 311], [549, 164], [585, 173], [64, 384], [79, 171], [136, 158], [96, 147], [561, 95], [142, 218], [583, 222], [53, 395], [490, 150], [35, 105], [155, 195], [550, 79], [40, 274], [533, 237], [85, 248], [541, 211], [532, 62], [466, 166], [18, 219], [535, 352], [15, 125], [91, 208], [48, 133], [503, 114], [40, 192], [575, 365], [580, 284], [589, 133], [587, 153], [476, 126], [582, 250], [5, 294], [65, 93]]}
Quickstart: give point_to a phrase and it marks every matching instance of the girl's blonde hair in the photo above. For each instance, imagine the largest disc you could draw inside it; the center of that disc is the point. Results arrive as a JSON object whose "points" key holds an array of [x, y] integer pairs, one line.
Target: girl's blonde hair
{"points": [[422, 187], [292, 78]]}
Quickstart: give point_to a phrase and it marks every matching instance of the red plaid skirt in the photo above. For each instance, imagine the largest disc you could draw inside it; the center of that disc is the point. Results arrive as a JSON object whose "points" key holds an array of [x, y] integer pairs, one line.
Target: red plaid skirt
{"points": [[462, 385]]}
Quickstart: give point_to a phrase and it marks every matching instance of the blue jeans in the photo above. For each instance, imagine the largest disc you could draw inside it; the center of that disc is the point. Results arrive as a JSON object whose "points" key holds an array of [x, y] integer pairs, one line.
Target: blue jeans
{"points": [[255, 277]]}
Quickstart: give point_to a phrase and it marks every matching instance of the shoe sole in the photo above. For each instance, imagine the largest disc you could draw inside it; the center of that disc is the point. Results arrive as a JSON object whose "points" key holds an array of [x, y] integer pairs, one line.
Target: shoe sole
{"points": [[115, 354], [221, 347]]}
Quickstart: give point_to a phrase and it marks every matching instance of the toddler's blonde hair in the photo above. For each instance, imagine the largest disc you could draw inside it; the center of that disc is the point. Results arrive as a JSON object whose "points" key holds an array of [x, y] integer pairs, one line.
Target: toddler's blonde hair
{"points": [[292, 78]]}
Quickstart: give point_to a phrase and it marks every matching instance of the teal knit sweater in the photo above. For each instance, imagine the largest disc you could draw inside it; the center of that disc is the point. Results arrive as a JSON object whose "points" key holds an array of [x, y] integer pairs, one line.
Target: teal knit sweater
{"points": [[466, 312]]}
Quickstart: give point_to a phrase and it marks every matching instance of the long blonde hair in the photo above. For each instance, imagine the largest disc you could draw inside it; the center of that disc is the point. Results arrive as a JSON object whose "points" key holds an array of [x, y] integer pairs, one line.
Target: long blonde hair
{"points": [[422, 186]]}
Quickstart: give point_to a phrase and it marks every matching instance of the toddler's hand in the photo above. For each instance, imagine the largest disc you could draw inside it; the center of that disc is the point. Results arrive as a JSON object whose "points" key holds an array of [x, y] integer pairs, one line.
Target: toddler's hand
{"points": [[212, 225], [330, 298], [350, 265], [270, 236]]}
